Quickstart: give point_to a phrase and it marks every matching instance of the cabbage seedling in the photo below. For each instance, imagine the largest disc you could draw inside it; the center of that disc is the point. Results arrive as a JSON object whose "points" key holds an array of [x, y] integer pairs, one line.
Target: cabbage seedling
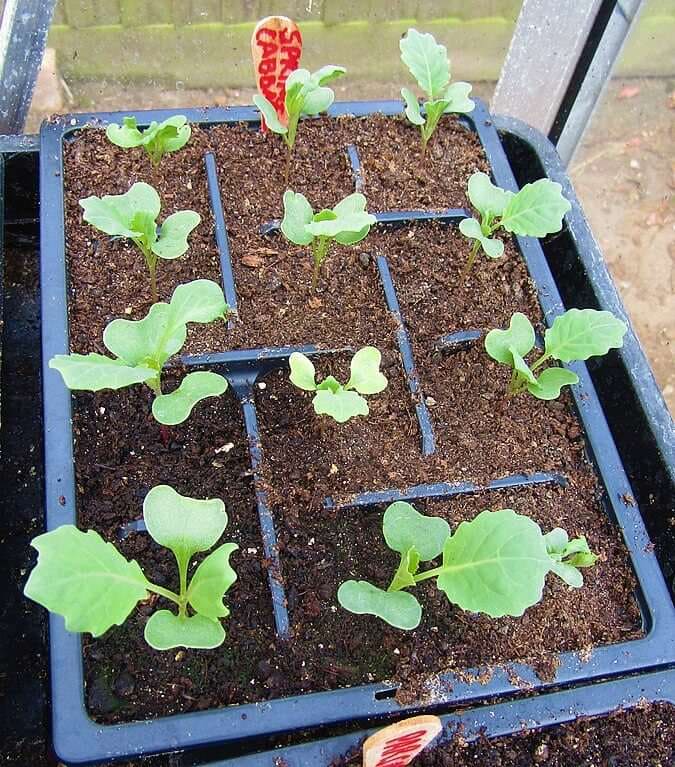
{"points": [[332, 398], [536, 210], [495, 564], [428, 63], [306, 94], [575, 335], [87, 581], [134, 215], [157, 139], [142, 348], [347, 223]]}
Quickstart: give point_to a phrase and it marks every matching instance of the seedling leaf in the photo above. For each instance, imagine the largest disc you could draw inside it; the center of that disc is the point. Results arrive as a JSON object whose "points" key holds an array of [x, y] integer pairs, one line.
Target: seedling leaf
{"points": [[149, 341], [457, 98], [582, 333], [157, 139], [166, 630], [93, 372], [173, 234], [488, 199], [303, 373], [398, 608], [366, 377], [412, 107], [298, 214], [493, 247], [550, 382], [404, 575], [427, 62], [174, 408], [211, 580], [114, 213], [270, 114], [404, 528], [327, 74], [519, 337], [341, 405], [536, 210], [198, 301]]}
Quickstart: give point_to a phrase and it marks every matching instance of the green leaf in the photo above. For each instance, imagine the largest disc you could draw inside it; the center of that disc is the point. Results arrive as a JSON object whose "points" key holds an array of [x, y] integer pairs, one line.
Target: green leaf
{"points": [[550, 382], [427, 62], [211, 580], [582, 333], [86, 580], [404, 528], [317, 100], [172, 241], [343, 227], [522, 368], [327, 74], [270, 114], [126, 135], [172, 134], [198, 301], [165, 631], [488, 199], [536, 210], [330, 383], [412, 107], [298, 214], [114, 214], [519, 337], [569, 574], [495, 564], [303, 374], [93, 372], [493, 247], [398, 608], [556, 541], [457, 96], [404, 575], [175, 407], [340, 405], [184, 525], [365, 375], [146, 342], [578, 554]]}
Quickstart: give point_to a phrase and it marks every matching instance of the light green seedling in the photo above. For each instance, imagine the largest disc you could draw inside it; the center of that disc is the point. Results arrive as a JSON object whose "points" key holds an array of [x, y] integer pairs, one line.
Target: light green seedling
{"points": [[306, 94], [332, 398], [575, 335], [429, 64], [347, 223], [495, 564], [142, 348], [87, 581], [134, 215], [157, 139], [536, 210]]}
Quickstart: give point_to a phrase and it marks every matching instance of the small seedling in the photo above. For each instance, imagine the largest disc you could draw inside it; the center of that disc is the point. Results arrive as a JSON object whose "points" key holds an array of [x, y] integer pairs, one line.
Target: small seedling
{"points": [[347, 223], [157, 139], [536, 210], [495, 564], [575, 335], [142, 348], [341, 402], [306, 94], [134, 215], [86, 580], [429, 64]]}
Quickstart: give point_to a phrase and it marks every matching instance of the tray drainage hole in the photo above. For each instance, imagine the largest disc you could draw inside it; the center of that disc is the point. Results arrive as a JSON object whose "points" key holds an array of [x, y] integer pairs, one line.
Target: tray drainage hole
{"points": [[385, 694]]}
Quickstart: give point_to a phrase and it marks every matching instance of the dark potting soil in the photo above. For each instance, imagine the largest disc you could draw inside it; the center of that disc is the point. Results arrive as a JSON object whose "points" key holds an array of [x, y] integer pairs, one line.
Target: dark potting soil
{"points": [[640, 737]]}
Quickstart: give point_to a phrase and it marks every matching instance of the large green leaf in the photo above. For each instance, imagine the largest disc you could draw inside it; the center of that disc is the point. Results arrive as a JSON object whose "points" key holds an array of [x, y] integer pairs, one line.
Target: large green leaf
{"points": [[175, 407], [303, 374], [582, 333], [495, 564], [412, 107], [404, 528], [270, 114], [93, 372], [427, 62], [211, 580], [366, 377], [298, 214], [536, 210], [114, 214], [493, 247], [398, 608], [184, 525], [173, 234], [487, 198], [550, 382], [165, 631], [340, 405], [86, 580], [519, 337], [151, 340]]}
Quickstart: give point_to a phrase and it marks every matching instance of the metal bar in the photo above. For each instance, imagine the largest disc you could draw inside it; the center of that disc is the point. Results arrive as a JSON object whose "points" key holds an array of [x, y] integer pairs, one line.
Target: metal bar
{"points": [[23, 36]]}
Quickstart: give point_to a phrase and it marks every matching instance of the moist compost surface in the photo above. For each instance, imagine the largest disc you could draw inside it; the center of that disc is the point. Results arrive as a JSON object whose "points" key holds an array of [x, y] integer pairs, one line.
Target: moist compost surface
{"points": [[481, 434]]}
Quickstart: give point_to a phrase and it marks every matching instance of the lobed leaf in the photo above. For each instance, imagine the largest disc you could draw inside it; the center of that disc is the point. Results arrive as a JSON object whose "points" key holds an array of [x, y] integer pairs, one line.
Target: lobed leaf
{"points": [[519, 337], [582, 333], [303, 373], [366, 377], [165, 631], [550, 382], [398, 608], [171, 409], [536, 210], [93, 372], [412, 107], [341, 405], [86, 580], [493, 247], [457, 96], [405, 528], [298, 214], [427, 61], [172, 241], [211, 580]]}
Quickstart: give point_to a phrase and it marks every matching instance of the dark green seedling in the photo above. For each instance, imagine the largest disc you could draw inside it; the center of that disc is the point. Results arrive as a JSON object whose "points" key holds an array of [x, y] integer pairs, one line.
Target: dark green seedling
{"points": [[87, 581], [142, 348], [536, 210], [347, 223], [429, 64], [157, 139], [575, 335], [332, 398], [134, 215], [306, 94], [495, 564]]}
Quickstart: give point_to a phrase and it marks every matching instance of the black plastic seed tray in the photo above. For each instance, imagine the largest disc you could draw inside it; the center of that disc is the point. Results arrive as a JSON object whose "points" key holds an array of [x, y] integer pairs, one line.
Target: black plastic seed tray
{"points": [[76, 737]]}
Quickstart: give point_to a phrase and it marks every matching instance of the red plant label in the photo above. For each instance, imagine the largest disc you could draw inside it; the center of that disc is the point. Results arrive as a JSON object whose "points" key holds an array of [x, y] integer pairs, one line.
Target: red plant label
{"points": [[276, 46], [398, 744]]}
